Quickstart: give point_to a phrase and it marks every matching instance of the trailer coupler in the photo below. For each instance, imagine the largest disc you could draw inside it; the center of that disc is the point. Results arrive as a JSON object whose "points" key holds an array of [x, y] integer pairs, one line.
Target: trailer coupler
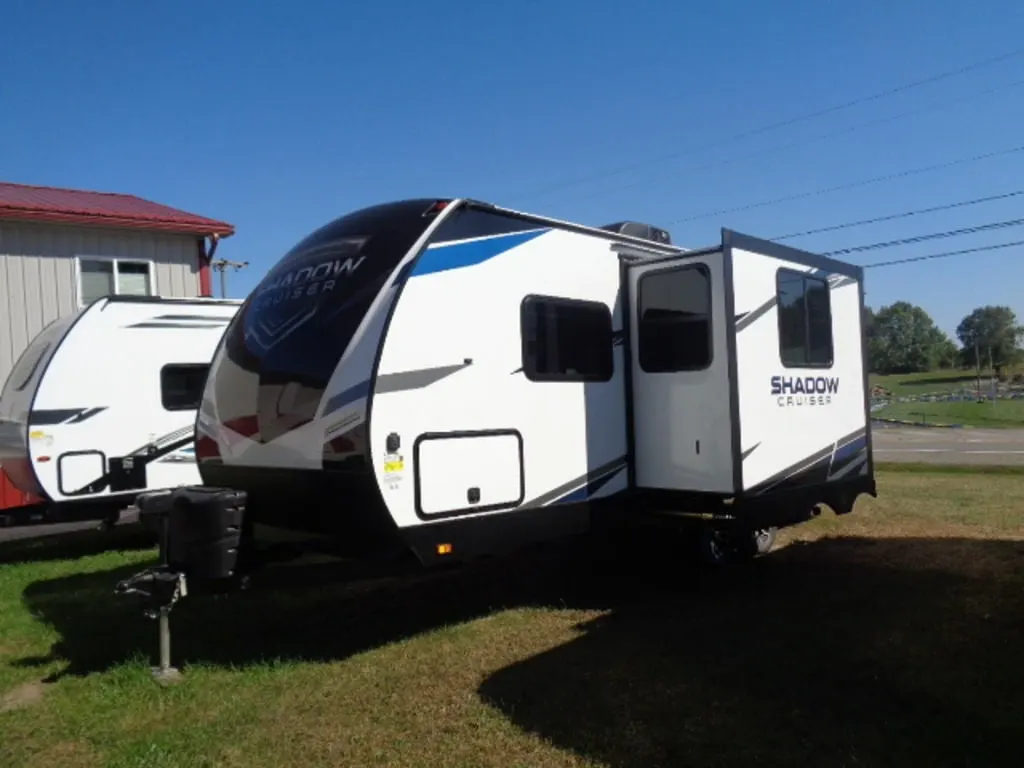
{"points": [[200, 532]]}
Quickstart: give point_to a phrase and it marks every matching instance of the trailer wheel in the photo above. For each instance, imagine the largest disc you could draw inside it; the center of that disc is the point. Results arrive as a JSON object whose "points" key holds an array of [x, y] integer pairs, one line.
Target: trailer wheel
{"points": [[748, 544], [714, 546], [765, 539], [718, 546]]}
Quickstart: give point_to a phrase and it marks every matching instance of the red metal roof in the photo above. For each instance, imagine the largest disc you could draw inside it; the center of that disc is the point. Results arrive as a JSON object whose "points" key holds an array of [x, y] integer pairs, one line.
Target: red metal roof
{"points": [[23, 202]]}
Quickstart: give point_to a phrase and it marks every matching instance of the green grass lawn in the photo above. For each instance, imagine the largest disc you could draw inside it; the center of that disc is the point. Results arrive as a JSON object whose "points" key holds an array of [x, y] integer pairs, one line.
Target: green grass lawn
{"points": [[889, 637], [1003, 414], [930, 382]]}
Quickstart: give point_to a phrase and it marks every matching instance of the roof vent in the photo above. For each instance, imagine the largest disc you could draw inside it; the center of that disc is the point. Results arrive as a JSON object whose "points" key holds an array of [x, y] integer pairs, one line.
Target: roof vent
{"points": [[643, 231]]}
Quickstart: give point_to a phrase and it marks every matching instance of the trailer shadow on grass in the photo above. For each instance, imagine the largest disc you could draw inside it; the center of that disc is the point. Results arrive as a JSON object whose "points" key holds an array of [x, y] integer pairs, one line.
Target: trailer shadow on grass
{"points": [[834, 652], [843, 652], [326, 611]]}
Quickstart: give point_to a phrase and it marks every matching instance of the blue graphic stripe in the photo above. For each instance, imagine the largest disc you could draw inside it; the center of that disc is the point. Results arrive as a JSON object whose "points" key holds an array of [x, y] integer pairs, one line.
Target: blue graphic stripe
{"points": [[852, 448], [183, 455], [346, 396], [442, 258], [589, 489]]}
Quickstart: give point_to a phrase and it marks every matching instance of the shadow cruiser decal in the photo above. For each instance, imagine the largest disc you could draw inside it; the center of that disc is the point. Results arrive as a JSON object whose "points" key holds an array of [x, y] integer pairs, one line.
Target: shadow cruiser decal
{"points": [[803, 390]]}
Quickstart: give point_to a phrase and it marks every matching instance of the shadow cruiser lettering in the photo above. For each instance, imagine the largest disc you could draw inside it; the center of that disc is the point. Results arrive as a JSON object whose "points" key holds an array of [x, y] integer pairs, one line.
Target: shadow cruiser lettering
{"points": [[804, 390], [337, 259]]}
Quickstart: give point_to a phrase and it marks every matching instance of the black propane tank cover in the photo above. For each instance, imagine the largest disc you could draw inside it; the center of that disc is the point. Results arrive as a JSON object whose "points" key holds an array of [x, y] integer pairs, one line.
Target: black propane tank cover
{"points": [[205, 531], [153, 507]]}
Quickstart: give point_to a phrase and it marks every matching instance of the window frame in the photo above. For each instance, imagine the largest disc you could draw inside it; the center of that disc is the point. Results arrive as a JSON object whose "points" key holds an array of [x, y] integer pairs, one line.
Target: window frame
{"points": [[529, 370], [115, 261], [699, 267], [178, 366], [804, 278]]}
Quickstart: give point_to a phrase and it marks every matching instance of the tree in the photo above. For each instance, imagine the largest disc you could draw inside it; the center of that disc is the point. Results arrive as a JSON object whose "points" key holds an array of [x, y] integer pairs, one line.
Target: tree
{"points": [[869, 322], [990, 331], [905, 339], [947, 354]]}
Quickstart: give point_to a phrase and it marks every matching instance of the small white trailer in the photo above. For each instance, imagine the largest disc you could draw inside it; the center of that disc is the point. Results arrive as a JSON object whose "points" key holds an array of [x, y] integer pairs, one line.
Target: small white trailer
{"points": [[451, 378], [102, 404]]}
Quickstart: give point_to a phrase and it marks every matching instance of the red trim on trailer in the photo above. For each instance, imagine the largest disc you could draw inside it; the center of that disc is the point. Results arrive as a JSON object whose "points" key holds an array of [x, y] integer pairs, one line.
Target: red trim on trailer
{"points": [[11, 497]]}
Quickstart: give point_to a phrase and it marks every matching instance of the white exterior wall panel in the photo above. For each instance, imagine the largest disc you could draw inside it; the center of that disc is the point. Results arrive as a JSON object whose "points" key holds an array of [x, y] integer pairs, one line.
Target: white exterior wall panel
{"points": [[38, 273]]}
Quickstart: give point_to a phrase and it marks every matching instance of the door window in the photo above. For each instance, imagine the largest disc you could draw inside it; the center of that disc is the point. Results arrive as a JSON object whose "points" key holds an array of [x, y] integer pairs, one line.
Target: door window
{"points": [[674, 319]]}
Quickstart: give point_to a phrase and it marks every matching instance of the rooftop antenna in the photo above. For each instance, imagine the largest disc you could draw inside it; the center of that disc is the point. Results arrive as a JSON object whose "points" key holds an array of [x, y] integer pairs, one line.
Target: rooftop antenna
{"points": [[221, 265]]}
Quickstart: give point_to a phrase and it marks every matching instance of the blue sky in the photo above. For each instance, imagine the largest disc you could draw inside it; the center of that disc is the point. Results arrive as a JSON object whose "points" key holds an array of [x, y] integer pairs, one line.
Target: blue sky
{"points": [[279, 117]]}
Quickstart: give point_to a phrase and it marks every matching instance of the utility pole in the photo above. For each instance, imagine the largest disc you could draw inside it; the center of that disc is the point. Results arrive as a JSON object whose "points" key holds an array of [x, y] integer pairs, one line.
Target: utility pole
{"points": [[221, 265], [993, 369], [977, 369]]}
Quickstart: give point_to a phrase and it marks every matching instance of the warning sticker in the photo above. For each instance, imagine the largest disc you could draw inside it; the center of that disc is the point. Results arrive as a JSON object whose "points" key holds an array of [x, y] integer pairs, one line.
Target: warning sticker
{"points": [[394, 466]]}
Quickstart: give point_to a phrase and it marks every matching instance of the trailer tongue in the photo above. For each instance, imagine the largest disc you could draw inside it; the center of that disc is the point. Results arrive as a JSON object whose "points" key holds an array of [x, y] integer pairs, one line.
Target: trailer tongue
{"points": [[200, 533]]}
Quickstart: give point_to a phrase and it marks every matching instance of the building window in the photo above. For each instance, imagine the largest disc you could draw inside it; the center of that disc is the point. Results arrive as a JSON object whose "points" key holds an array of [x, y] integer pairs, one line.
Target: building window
{"points": [[805, 320], [113, 277], [674, 330], [566, 339], [181, 385]]}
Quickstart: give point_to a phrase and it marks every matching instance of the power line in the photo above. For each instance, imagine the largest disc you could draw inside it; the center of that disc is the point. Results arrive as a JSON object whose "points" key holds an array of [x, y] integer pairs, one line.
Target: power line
{"points": [[781, 124], [945, 254], [931, 236], [903, 215], [854, 184], [821, 137]]}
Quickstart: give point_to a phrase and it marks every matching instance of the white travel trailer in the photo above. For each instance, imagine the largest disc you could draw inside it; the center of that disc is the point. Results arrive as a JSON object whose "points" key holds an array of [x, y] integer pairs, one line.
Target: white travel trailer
{"points": [[452, 378], [102, 403]]}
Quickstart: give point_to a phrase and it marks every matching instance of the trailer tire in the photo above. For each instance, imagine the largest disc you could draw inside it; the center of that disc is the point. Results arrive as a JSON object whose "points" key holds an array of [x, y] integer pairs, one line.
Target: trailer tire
{"points": [[718, 547], [765, 539], [713, 546], [749, 544]]}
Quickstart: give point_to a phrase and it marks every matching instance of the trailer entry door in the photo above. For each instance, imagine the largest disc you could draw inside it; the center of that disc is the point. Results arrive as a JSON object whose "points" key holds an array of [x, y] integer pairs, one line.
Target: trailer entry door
{"points": [[679, 374]]}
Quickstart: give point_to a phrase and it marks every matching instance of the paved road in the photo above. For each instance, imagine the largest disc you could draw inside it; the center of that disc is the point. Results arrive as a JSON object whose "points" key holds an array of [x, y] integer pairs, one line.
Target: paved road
{"points": [[35, 531], [13, 533], [949, 446]]}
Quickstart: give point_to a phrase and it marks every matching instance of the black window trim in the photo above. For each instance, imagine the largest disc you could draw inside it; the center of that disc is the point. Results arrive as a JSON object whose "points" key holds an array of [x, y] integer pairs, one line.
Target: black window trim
{"points": [[178, 367], [804, 277], [706, 271], [535, 298]]}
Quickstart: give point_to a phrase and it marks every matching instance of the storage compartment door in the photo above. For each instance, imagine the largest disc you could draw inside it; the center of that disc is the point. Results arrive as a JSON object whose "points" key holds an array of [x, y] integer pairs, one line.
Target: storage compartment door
{"points": [[459, 473], [77, 469]]}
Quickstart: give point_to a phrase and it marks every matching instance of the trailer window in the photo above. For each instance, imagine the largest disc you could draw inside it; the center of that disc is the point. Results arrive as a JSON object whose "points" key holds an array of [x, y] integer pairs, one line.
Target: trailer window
{"points": [[566, 339], [805, 320], [181, 385], [674, 330]]}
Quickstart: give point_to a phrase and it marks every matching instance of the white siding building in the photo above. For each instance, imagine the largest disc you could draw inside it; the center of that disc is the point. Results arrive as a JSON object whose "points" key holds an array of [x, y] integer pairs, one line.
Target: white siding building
{"points": [[61, 249]]}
